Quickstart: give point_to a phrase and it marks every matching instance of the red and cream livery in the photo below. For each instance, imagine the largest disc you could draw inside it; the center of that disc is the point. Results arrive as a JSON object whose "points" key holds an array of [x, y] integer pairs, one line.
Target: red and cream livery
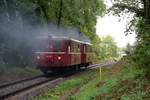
{"points": [[62, 52]]}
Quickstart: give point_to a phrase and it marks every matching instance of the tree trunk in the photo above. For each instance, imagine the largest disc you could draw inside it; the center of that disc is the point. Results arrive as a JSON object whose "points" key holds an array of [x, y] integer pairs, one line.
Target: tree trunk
{"points": [[60, 13], [43, 9], [147, 10]]}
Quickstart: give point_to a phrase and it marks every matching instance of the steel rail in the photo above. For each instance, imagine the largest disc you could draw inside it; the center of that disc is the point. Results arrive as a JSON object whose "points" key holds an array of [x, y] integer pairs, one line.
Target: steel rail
{"points": [[27, 84]]}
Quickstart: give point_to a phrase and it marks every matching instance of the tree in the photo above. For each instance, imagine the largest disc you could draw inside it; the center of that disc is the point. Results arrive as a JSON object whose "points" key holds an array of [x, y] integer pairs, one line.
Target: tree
{"points": [[108, 48], [21, 19], [128, 49], [141, 24]]}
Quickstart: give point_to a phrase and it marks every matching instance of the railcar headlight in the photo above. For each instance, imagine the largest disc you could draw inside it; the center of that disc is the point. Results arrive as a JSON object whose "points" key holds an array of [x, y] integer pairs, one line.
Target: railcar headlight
{"points": [[59, 58], [38, 57]]}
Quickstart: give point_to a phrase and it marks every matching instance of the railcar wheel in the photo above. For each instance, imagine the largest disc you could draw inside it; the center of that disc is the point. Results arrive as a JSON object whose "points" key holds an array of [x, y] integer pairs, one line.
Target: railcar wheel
{"points": [[45, 72], [77, 68]]}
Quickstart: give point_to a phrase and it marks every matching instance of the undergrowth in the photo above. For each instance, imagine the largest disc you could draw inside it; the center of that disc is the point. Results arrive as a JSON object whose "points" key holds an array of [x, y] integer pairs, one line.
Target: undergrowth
{"points": [[8, 74], [69, 87], [123, 81], [129, 84]]}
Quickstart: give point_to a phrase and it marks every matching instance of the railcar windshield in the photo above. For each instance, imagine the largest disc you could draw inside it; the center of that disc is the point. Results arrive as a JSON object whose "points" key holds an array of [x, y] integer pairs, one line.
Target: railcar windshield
{"points": [[50, 45], [57, 46]]}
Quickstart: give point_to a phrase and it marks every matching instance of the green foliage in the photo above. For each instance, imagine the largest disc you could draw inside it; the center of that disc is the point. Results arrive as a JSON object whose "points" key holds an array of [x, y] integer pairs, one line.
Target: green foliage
{"points": [[81, 14], [87, 92], [75, 82], [129, 49], [20, 17], [104, 48], [141, 24], [142, 52], [108, 48], [127, 85], [139, 95], [96, 48]]}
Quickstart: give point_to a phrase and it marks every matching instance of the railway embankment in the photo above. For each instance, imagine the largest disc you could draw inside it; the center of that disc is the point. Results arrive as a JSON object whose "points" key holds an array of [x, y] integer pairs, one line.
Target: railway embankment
{"points": [[125, 82], [80, 86], [119, 82], [8, 75]]}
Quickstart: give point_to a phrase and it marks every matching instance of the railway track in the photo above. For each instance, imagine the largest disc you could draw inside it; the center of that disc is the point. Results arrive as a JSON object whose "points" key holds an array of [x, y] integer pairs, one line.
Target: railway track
{"points": [[28, 88], [104, 64], [11, 90], [18, 81]]}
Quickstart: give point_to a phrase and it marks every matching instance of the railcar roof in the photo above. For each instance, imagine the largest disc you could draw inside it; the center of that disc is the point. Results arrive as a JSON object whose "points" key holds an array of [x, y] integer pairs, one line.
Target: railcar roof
{"points": [[72, 39], [66, 38]]}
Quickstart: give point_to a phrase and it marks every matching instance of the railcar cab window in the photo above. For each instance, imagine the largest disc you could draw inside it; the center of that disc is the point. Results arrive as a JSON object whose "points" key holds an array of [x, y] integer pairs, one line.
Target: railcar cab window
{"points": [[57, 45], [49, 45]]}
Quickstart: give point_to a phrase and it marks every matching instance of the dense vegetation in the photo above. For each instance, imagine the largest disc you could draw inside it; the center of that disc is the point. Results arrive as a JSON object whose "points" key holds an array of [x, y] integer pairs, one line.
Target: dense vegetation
{"points": [[119, 82], [22, 20], [140, 53], [108, 48]]}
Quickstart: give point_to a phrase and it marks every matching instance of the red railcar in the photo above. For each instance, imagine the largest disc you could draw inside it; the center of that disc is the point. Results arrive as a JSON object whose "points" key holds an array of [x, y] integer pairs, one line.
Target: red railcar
{"points": [[86, 54], [62, 52]]}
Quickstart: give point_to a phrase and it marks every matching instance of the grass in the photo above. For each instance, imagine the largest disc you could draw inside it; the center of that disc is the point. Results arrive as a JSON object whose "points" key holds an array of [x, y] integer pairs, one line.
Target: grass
{"points": [[79, 87], [69, 87], [8, 74], [119, 82], [128, 84]]}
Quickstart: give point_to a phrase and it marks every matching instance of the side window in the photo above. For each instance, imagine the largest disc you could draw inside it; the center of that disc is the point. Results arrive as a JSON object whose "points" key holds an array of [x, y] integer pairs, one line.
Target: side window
{"points": [[74, 47], [84, 49], [69, 49], [78, 48], [87, 48]]}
